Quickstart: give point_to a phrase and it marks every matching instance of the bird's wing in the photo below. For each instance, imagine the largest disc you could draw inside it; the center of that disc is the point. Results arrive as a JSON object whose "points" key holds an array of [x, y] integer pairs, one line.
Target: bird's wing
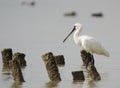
{"points": [[92, 45]]}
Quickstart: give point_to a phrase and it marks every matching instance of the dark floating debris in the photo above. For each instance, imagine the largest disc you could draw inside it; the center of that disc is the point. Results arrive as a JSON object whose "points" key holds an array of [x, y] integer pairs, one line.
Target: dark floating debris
{"points": [[78, 76], [51, 67], [32, 3], [72, 14], [100, 14]]}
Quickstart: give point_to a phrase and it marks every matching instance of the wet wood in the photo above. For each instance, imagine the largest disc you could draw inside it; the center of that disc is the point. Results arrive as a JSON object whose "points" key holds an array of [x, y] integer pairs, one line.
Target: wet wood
{"points": [[6, 58], [84, 57], [60, 60], [87, 58], [94, 73], [16, 71], [89, 64], [78, 75], [51, 66], [20, 57]]}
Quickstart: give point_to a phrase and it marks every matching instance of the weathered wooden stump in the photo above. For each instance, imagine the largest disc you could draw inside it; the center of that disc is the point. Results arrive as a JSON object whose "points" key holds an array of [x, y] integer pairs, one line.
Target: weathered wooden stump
{"points": [[51, 67], [20, 57], [78, 75], [94, 73], [16, 71], [59, 59], [89, 63], [86, 58], [6, 58], [83, 55]]}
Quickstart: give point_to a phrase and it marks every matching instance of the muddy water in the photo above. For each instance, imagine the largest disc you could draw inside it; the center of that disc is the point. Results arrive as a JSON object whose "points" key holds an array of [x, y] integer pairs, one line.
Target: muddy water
{"points": [[35, 30]]}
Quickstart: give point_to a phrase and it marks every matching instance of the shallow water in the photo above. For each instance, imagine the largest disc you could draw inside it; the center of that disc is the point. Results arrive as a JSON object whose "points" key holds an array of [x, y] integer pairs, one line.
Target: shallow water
{"points": [[35, 30]]}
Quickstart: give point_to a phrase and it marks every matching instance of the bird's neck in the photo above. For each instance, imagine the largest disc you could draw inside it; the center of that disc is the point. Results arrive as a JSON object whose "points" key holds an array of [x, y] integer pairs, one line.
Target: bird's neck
{"points": [[76, 35]]}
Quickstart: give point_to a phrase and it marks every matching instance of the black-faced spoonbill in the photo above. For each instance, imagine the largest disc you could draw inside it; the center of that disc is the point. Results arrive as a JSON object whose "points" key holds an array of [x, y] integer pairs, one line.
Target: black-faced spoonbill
{"points": [[88, 43]]}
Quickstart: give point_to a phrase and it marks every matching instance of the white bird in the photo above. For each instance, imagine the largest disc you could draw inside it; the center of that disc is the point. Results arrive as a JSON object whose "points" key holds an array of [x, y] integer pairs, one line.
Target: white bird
{"points": [[88, 43]]}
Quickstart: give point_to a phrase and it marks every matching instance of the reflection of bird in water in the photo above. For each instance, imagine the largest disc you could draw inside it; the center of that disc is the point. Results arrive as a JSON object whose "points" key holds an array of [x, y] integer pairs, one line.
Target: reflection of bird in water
{"points": [[88, 43]]}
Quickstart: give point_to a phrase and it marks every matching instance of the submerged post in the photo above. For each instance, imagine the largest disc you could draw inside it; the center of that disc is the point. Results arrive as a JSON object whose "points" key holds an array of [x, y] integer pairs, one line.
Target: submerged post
{"points": [[51, 66], [87, 61], [78, 76], [6, 58]]}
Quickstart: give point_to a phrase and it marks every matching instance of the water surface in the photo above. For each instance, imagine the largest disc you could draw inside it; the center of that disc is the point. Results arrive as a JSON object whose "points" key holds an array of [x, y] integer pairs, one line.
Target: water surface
{"points": [[35, 30]]}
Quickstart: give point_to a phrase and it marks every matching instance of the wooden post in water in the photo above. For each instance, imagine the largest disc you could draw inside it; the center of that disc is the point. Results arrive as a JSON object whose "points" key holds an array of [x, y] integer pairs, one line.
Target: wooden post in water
{"points": [[87, 60], [16, 71], [78, 76], [93, 73], [6, 58], [84, 57], [51, 66], [20, 57], [59, 59]]}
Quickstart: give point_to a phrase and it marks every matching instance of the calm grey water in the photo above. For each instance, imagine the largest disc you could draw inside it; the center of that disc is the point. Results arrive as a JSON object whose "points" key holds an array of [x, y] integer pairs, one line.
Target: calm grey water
{"points": [[35, 30]]}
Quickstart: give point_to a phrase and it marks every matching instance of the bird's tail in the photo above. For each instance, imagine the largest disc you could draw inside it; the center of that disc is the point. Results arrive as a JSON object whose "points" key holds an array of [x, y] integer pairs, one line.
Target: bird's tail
{"points": [[106, 53]]}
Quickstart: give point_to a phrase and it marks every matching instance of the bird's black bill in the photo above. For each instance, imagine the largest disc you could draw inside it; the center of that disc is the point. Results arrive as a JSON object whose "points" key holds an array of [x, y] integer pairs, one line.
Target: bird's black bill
{"points": [[69, 35]]}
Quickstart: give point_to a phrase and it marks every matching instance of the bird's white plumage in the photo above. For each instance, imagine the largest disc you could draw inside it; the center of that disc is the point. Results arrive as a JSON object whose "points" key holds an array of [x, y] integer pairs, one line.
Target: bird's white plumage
{"points": [[88, 43]]}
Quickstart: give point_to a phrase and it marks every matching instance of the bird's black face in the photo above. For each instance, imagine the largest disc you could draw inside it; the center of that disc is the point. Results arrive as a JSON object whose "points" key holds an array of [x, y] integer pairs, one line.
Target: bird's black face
{"points": [[69, 34]]}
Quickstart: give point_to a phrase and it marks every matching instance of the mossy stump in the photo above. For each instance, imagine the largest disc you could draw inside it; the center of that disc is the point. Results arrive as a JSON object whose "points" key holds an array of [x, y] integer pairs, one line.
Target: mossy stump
{"points": [[86, 58], [6, 58], [51, 66], [89, 63], [16, 71], [59, 59], [20, 57], [78, 76], [94, 73]]}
